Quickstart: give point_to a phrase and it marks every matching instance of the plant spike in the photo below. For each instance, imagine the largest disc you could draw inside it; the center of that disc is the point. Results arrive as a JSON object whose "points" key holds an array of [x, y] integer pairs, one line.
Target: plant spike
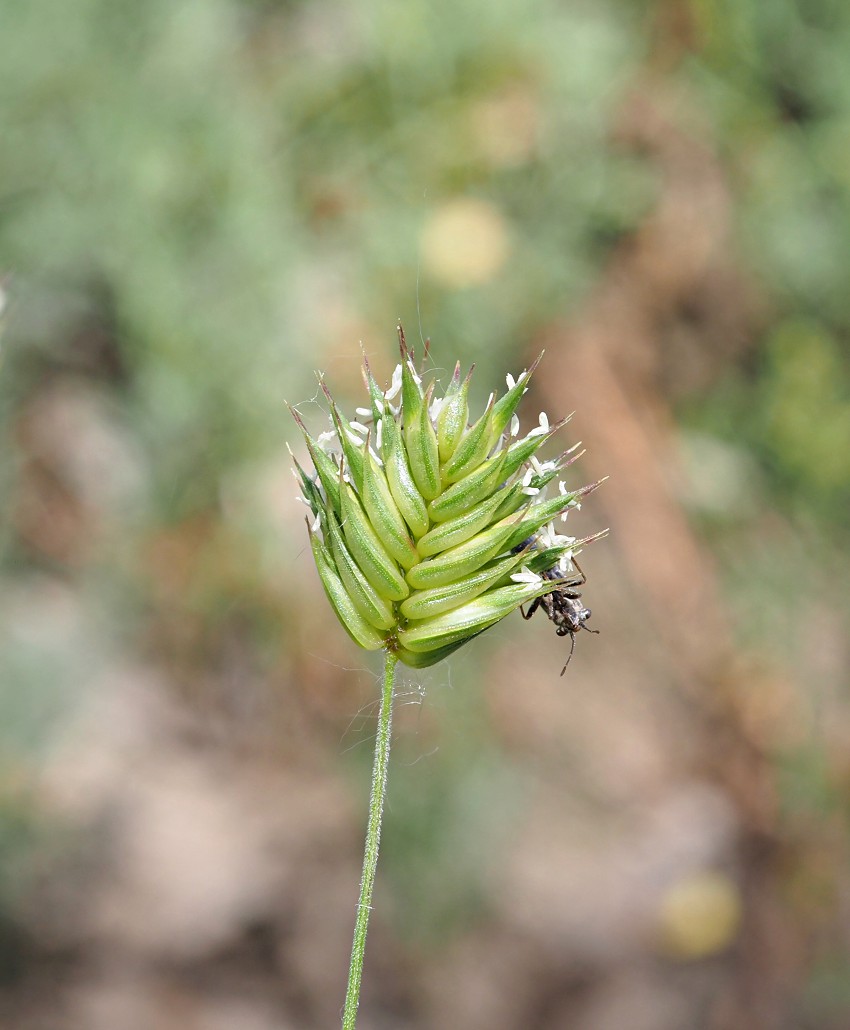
{"points": [[427, 530]]}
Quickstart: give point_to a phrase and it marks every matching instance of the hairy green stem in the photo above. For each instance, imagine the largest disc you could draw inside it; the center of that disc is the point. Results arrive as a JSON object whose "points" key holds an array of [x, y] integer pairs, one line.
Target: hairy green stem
{"points": [[373, 840]]}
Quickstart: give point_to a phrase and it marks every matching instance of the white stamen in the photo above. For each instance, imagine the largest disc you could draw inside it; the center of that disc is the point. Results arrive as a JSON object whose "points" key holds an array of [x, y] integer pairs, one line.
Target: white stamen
{"points": [[514, 425], [395, 385], [526, 576], [527, 489], [358, 427], [542, 429], [549, 538], [365, 412], [509, 379], [379, 430]]}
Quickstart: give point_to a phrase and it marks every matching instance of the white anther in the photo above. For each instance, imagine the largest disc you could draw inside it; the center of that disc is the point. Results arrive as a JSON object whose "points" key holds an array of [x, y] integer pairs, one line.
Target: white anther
{"points": [[395, 384], [525, 575]]}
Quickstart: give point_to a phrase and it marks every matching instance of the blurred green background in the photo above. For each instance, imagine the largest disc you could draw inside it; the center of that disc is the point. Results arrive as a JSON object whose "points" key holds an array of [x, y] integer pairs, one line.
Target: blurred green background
{"points": [[201, 203]]}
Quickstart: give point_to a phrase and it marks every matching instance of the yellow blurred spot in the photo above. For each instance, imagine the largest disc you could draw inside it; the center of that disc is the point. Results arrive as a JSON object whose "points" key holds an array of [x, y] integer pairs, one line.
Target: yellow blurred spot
{"points": [[699, 916], [465, 243]]}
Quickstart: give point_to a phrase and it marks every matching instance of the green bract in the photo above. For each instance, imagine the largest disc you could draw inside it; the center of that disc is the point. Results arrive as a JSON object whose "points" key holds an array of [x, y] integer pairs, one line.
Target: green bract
{"points": [[427, 529]]}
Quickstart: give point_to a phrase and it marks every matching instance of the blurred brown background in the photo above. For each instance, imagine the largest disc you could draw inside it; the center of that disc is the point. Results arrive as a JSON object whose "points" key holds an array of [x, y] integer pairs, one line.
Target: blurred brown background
{"points": [[203, 202]]}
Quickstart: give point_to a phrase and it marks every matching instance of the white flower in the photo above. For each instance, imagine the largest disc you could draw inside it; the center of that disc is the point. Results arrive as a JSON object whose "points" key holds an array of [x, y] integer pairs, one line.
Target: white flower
{"points": [[509, 379]]}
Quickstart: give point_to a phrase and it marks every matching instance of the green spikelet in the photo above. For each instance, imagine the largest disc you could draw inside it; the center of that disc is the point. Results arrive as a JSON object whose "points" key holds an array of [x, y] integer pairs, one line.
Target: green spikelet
{"points": [[427, 530]]}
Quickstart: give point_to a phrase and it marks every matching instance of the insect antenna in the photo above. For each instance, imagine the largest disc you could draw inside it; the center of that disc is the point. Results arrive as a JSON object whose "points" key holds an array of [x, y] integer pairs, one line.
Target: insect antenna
{"points": [[572, 648]]}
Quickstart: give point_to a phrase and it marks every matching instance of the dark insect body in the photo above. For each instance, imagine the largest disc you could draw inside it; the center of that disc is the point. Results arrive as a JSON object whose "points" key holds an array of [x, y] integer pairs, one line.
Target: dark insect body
{"points": [[564, 607]]}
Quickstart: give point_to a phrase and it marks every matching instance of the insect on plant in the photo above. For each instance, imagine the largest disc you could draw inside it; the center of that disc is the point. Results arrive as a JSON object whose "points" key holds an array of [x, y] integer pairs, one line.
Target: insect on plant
{"points": [[564, 607]]}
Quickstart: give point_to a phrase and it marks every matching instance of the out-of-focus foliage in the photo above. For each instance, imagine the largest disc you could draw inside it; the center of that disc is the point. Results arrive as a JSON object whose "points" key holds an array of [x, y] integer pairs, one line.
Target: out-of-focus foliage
{"points": [[776, 79]]}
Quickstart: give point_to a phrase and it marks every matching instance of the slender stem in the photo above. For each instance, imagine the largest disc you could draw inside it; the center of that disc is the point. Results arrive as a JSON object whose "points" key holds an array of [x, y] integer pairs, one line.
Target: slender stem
{"points": [[373, 839]]}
